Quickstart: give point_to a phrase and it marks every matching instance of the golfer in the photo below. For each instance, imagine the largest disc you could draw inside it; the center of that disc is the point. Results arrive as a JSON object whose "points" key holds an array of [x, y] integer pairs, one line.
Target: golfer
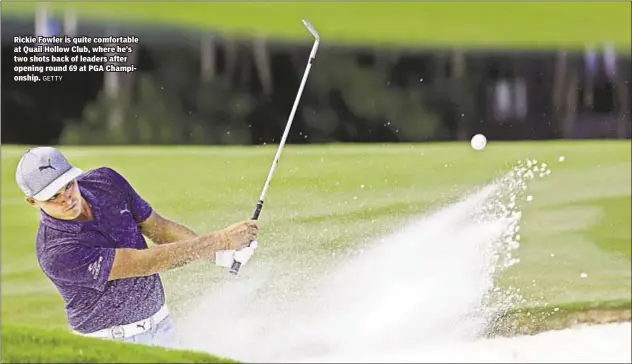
{"points": [[90, 244]]}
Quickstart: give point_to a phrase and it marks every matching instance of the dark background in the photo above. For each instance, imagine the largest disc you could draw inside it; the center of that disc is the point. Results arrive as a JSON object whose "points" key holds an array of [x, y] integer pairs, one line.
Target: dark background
{"points": [[196, 89]]}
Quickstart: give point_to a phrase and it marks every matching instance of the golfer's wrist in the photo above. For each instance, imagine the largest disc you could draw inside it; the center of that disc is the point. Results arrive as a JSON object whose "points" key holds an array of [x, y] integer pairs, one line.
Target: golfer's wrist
{"points": [[216, 241]]}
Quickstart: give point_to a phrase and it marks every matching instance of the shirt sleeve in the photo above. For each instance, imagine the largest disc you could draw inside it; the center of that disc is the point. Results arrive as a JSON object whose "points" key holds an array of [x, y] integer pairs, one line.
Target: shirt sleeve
{"points": [[140, 208], [78, 264]]}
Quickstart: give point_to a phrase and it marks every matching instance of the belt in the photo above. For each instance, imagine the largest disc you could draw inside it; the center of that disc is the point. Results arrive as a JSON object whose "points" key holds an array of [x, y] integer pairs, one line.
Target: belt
{"points": [[129, 330]]}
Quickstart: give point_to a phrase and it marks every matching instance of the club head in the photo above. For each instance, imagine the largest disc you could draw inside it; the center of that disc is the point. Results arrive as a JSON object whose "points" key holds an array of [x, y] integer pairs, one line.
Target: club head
{"points": [[311, 29]]}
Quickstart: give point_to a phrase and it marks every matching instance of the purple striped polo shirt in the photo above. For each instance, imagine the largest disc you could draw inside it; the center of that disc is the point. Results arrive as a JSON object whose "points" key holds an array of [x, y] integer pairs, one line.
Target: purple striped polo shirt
{"points": [[78, 256]]}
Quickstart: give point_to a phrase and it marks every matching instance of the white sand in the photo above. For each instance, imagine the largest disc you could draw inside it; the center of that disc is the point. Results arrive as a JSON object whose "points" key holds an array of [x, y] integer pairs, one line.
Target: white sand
{"points": [[587, 344]]}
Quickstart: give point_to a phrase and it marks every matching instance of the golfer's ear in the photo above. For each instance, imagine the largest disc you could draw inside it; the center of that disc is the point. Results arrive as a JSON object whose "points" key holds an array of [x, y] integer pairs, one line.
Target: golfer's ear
{"points": [[31, 201]]}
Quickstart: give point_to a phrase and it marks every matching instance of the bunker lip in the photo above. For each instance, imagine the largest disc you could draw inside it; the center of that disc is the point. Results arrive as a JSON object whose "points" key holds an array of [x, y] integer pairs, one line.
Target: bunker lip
{"points": [[537, 320]]}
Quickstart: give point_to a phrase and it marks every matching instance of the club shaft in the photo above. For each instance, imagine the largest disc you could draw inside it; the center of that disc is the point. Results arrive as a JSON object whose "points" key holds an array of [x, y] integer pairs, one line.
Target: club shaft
{"points": [[234, 269], [275, 162]]}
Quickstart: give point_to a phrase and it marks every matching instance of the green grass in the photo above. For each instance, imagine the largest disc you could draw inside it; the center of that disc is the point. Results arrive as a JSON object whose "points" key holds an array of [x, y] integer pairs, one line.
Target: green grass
{"points": [[29, 345], [328, 198], [468, 24]]}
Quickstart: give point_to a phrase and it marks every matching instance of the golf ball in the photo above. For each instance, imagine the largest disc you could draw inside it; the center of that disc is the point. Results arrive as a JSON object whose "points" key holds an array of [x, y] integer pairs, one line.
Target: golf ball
{"points": [[478, 141]]}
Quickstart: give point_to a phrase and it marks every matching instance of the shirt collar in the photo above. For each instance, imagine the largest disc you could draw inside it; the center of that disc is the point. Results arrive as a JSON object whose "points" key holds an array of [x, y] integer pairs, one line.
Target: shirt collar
{"points": [[69, 225]]}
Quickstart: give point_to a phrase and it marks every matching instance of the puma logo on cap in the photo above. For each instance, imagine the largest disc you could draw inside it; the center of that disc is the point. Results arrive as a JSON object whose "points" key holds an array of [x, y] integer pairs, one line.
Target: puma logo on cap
{"points": [[49, 166]]}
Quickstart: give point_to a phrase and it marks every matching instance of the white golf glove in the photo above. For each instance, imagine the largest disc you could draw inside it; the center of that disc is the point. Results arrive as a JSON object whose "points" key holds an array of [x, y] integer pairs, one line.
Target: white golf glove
{"points": [[224, 258]]}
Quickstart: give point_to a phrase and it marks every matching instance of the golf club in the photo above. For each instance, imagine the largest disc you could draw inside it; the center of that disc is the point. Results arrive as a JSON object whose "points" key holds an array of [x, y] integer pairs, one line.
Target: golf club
{"points": [[234, 269]]}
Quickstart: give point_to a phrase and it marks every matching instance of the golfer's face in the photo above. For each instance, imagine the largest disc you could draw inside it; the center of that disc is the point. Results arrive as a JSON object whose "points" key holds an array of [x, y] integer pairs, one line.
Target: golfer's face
{"points": [[66, 204]]}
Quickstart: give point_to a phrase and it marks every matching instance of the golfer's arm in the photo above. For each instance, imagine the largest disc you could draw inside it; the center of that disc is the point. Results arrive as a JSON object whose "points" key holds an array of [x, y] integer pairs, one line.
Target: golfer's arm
{"points": [[161, 258], [163, 231]]}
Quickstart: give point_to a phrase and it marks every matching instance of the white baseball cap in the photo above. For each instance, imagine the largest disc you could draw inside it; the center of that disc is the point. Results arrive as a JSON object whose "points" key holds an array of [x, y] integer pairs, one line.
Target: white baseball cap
{"points": [[43, 171]]}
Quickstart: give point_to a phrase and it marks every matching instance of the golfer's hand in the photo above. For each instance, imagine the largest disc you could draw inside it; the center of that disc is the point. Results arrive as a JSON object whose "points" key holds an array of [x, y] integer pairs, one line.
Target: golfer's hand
{"points": [[239, 235]]}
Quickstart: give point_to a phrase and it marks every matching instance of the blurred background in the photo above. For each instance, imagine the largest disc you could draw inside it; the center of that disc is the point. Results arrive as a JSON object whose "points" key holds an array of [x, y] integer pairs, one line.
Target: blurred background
{"points": [[227, 73]]}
